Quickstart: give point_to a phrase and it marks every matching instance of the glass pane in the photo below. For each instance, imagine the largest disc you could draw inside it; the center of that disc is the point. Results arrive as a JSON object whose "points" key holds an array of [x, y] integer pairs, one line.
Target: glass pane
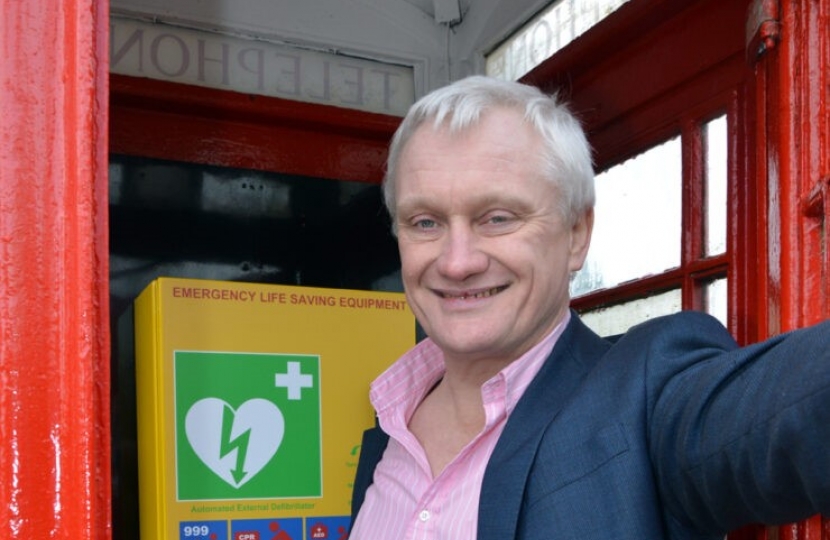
{"points": [[551, 30], [716, 168], [185, 219], [613, 320], [716, 299], [637, 220]]}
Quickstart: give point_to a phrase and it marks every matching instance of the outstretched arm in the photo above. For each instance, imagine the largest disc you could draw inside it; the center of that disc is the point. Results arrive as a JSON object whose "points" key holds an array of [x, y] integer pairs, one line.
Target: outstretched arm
{"points": [[744, 436]]}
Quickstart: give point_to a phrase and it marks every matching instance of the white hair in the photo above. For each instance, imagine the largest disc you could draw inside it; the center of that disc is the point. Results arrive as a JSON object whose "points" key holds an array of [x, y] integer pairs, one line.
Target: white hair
{"points": [[461, 105]]}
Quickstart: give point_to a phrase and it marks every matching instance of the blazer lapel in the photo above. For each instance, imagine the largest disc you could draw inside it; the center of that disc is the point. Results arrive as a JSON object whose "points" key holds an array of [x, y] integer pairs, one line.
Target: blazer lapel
{"points": [[371, 450], [572, 358]]}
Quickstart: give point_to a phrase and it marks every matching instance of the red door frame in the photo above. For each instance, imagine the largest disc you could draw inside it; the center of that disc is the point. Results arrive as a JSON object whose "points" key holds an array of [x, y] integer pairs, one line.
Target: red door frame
{"points": [[794, 151], [54, 296], [793, 154]]}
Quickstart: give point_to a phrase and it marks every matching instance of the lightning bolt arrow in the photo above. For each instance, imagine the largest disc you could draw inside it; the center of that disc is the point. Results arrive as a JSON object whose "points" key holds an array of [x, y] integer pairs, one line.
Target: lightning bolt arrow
{"points": [[240, 444]]}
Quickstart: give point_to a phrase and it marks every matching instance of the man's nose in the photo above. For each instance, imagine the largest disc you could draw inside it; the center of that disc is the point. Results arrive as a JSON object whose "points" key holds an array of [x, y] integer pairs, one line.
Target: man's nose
{"points": [[461, 253]]}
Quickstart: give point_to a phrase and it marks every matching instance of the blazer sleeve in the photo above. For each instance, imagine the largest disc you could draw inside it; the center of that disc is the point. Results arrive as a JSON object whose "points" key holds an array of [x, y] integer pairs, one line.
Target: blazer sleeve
{"points": [[742, 435]]}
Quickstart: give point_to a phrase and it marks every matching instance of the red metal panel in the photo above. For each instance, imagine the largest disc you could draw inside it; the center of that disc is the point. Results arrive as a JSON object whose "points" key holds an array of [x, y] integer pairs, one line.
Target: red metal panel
{"points": [[746, 303], [54, 367], [792, 77], [201, 125], [799, 71]]}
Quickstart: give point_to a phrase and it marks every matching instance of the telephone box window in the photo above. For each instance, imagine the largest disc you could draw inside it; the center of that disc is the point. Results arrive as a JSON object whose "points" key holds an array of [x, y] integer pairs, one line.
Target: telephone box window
{"points": [[637, 221], [716, 168], [616, 319], [716, 300], [556, 26]]}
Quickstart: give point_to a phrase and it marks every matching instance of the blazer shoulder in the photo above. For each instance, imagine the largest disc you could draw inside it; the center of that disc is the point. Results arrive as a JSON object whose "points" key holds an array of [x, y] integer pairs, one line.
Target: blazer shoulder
{"points": [[681, 332]]}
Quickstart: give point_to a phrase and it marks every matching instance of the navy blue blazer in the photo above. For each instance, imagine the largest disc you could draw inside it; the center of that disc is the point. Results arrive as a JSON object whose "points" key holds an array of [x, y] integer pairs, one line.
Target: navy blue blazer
{"points": [[671, 432]]}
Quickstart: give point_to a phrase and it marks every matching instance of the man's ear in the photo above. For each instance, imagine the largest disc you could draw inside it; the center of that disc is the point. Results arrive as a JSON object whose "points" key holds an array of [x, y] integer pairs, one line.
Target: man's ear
{"points": [[581, 239]]}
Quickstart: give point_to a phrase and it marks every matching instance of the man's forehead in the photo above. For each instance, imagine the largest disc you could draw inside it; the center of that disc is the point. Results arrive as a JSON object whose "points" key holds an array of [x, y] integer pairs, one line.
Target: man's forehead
{"points": [[500, 143], [420, 196]]}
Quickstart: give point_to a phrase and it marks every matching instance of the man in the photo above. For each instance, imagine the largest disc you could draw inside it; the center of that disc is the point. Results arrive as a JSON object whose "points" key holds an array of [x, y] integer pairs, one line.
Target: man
{"points": [[513, 420]]}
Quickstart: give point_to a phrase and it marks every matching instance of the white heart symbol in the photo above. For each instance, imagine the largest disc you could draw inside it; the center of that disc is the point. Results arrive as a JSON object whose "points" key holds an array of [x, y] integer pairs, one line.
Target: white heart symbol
{"points": [[235, 445]]}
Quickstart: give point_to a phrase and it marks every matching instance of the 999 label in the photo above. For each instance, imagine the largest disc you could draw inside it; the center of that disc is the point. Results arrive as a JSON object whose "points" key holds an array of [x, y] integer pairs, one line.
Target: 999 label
{"points": [[203, 530]]}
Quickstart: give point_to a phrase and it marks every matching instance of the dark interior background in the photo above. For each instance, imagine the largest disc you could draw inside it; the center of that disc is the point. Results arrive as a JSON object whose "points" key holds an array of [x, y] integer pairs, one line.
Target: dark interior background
{"points": [[188, 220]]}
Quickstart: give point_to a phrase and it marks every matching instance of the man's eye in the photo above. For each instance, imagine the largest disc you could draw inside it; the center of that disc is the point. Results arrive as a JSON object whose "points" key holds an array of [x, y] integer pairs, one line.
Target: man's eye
{"points": [[495, 223], [425, 224], [497, 219]]}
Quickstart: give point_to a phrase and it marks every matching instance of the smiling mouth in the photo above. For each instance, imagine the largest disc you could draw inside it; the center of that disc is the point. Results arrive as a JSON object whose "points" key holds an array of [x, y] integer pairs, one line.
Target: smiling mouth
{"points": [[468, 295]]}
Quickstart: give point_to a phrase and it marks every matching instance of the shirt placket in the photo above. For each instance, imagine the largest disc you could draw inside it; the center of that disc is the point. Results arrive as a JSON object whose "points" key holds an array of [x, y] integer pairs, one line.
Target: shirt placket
{"points": [[424, 524]]}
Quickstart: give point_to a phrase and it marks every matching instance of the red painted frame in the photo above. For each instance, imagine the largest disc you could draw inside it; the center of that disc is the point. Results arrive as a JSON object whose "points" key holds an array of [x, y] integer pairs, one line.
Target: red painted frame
{"points": [[54, 289], [201, 125]]}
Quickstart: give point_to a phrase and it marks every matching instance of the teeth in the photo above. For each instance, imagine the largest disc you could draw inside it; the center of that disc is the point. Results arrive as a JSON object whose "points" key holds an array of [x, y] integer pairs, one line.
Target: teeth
{"points": [[482, 294]]}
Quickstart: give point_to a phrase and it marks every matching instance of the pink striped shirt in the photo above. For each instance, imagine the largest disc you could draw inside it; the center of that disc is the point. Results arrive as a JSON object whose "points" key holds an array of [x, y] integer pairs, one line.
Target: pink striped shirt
{"points": [[405, 501]]}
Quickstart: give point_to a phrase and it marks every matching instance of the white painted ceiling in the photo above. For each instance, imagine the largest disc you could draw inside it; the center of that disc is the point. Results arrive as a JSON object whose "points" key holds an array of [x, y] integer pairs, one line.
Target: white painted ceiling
{"points": [[403, 32]]}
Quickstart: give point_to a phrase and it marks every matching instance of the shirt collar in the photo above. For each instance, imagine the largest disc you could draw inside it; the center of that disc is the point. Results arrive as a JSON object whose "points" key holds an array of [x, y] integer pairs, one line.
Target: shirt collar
{"points": [[414, 374]]}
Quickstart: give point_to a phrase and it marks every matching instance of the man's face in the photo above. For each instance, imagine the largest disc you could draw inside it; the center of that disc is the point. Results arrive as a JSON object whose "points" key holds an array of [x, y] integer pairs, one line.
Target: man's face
{"points": [[486, 256]]}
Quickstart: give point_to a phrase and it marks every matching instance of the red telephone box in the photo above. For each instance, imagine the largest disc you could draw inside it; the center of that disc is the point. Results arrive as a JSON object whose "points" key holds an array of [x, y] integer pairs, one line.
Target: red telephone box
{"points": [[766, 62]]}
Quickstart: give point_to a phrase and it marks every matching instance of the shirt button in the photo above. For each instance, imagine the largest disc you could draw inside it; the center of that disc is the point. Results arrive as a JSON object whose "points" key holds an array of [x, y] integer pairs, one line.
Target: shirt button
{"points": [[424, 515]]}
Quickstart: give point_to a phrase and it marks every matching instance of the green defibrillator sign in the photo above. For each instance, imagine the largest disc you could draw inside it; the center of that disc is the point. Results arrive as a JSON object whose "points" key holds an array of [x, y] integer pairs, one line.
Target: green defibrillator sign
{"points": [[247, 426]]}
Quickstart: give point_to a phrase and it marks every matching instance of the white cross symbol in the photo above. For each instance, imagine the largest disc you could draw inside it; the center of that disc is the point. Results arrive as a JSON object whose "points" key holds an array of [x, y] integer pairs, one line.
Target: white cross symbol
{"points": [[294, 381]]}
